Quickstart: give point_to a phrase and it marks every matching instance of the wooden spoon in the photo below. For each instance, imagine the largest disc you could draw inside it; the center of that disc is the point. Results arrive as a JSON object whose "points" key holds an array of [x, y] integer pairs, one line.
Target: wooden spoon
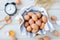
{"points": [[7, 22]]}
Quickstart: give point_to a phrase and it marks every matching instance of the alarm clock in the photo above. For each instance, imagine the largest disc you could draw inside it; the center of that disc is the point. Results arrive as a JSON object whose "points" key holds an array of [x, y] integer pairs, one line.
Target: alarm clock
{"points": [[10, 8]]}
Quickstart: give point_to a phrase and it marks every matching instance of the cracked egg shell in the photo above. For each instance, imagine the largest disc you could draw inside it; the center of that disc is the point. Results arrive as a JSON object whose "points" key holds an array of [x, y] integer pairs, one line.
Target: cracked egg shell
{"points": [[34, 17], [29, 29], [26, 24], [18, 2], [44, 19], [46, 38], [38, 14], [13, 38], [38, 22], [7, 18], [31, 21], [55, 32], [26, 17]]}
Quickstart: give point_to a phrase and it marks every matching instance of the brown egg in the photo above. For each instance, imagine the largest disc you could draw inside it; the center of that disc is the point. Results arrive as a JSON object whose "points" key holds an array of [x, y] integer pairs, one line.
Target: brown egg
{"points": [[44, 19], [7, 18], [13, 38], [31, 21], [30, 13], [34, 17], [42, 26], [18, 2], [34, 26], [55, 32], [38, 14], [26, 17], [46, 38], [29, 28], [8, 21], [26, 24], [34, 30], [38, 22], [53, 18], [40, 39]]}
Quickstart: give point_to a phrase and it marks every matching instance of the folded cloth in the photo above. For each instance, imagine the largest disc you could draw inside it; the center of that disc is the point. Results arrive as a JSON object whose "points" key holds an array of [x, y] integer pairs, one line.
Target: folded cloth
{"points": [[48, 25]]}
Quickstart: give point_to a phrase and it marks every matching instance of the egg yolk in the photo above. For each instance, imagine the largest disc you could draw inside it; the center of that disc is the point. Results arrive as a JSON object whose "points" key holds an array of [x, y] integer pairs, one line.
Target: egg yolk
{"points": [[11, 32]]}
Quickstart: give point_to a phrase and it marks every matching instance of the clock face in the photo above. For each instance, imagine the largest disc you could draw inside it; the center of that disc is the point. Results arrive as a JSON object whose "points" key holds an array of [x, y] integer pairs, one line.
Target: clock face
{"points": [[10, 9]]}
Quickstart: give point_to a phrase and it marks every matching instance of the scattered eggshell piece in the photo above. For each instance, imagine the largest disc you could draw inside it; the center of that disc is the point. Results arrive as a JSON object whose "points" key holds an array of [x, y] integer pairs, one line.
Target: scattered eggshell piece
{"points": [[18, 2], [40, 39], [53, 18], [7, 18], [55, 32], [8, 21], [13, 38], [46, 38]]}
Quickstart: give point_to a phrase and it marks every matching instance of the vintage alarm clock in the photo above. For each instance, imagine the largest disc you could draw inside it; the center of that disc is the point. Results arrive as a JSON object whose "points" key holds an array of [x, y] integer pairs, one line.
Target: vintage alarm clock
{"points": [[10, 8]]}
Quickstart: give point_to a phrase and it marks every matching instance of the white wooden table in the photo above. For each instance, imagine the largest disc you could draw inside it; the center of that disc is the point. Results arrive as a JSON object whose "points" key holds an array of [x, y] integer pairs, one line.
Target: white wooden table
{"points": [[54, 10]]}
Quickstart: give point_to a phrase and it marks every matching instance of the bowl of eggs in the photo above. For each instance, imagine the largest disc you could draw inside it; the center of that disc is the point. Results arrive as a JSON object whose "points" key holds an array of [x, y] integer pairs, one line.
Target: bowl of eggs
{"points": [[34, 21]]}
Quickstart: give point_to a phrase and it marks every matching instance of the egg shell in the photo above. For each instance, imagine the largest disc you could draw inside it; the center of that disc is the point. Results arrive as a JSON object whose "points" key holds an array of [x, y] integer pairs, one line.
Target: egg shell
{"points": [[38, 14], [18, 2], [40, 39], [29, 29], [34, 26], [13, 38], [55, 32], [26, 17], [42, 26], [46, 38], [34, 17], [44, 19], [26, 24], [38, 22], [31, 21], [30, 13], [7, 18], [53, 18], [8, 21]]}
